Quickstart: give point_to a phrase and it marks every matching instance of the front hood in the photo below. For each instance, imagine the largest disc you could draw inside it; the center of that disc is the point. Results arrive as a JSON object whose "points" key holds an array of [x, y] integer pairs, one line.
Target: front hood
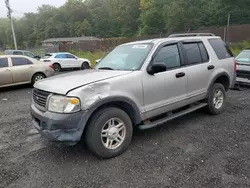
{"points": [[62, 84]]}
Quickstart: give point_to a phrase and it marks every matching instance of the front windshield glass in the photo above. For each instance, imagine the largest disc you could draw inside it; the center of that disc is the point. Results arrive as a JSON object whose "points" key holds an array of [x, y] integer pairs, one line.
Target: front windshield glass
{"points": [[29, 54], [126, 57], [244, 57]]}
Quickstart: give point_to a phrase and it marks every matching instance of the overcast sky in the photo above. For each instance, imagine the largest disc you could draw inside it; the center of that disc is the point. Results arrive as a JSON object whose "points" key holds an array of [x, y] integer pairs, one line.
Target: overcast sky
{"points": [[23, 6]]}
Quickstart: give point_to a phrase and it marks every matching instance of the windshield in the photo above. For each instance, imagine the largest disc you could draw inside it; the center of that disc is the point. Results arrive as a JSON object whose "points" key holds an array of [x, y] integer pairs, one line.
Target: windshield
{"points": [[243, 57], [125, 57], [29, 54]]}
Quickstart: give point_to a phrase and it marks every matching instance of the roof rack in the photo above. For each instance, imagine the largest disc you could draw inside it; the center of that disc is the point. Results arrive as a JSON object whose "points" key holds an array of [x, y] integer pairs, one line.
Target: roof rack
{"points": [[190, 35]]}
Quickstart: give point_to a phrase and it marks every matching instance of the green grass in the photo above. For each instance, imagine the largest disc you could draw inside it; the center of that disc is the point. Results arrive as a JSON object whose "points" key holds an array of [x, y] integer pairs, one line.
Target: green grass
{"points": [[92, 56]]}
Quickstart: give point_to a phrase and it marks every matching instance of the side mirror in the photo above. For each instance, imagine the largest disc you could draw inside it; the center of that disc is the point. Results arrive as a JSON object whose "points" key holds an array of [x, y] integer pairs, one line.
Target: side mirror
{"points": [[156, 68], [37, 57]]}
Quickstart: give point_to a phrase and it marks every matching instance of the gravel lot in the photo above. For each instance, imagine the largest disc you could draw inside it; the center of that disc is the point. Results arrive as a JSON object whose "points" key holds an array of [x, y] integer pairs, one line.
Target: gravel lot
{"points": [[197, 150]]}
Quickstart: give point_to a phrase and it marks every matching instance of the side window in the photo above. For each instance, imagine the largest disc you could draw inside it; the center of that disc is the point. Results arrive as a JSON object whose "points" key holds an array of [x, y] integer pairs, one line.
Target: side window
{"points": [[169, 55], [220, 48], [17, 53], [61, 56], [3, 62], [193, 53], [204, 54], [19, 61], [69, 56]]}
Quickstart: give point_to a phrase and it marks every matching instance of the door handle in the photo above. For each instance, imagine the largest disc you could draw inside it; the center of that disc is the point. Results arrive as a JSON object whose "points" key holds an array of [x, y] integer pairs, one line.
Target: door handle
{"points": [[210, 67], [7, 70], [180, 74]]}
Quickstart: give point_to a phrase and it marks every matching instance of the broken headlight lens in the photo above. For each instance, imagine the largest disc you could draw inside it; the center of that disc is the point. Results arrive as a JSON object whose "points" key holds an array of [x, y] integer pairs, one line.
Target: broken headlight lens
{"points": [[62, 104]]}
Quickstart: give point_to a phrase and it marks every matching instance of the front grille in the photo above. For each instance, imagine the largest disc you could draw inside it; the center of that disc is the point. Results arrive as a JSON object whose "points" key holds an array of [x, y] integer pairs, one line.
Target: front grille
{"points": [[40, 97], [243, 74]]}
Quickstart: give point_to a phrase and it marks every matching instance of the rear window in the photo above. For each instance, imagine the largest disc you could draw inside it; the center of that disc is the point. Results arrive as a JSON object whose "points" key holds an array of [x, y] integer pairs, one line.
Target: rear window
{"points": [[221, 49], [18, 53]]}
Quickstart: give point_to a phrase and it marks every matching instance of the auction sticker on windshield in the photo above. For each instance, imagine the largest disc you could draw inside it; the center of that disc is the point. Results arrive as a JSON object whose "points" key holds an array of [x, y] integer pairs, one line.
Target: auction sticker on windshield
{"points": [[141, 46]]}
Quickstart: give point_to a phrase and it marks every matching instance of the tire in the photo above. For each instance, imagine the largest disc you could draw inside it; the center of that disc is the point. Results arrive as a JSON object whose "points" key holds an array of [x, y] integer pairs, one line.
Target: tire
{"points": [[217, 93], [57, 67], [85, 65], [96, 141], [36, 77]]}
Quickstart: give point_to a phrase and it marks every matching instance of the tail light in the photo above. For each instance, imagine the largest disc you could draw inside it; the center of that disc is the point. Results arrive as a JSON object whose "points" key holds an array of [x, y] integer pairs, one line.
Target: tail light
{"points": [[51, 66], [235, 66]]}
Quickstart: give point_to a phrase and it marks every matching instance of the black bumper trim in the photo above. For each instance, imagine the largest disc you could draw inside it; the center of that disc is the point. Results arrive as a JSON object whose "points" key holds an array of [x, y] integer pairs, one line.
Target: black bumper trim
{"points": [[59, 127]]}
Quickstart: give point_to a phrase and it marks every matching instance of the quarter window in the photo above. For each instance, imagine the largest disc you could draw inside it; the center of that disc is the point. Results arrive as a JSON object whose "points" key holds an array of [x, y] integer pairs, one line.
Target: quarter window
{"points": [[220, 48], [169, 55], [3, 62], [19, 61]]}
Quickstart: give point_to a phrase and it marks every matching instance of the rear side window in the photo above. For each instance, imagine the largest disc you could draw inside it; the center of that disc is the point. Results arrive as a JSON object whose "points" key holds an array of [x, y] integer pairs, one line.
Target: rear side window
{"points": [[221, 49], [61, 56], [3, 62], [204, 54], [19, 61], [17, 53], [69, 56]]}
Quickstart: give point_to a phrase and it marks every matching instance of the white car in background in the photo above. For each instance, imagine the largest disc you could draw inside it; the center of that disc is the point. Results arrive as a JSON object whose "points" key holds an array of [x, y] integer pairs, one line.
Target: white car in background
{"points": [[63, 60]]}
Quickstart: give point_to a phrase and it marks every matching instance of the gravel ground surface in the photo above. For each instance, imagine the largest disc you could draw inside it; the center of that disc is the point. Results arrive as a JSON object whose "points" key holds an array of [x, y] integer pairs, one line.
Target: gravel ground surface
{"points": [[197, 150]]}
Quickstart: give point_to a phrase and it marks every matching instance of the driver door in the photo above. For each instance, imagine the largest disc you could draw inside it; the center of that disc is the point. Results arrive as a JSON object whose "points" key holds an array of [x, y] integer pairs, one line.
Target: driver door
{"points": [[167, 90]]}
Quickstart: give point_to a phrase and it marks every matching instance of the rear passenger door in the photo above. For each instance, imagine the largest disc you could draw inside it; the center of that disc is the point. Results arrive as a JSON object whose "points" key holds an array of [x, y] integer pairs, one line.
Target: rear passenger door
{"points": [[5, 73], [199, 68], [21, 69]]}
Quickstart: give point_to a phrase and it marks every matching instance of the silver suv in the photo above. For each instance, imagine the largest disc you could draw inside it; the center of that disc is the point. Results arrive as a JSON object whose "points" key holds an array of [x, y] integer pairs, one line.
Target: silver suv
{"points": [[140, 84]]}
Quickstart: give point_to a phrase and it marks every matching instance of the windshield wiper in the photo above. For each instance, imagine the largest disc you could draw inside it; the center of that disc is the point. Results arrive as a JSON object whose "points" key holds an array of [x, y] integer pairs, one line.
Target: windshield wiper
{"points": [[106, 68]]}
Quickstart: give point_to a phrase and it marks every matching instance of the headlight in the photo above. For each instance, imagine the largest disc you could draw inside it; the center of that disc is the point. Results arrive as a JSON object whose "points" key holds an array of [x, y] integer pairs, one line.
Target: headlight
{"points": [[61, 104]]}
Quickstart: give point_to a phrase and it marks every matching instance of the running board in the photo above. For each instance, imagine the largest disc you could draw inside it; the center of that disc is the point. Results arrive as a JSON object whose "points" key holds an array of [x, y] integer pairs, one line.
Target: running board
{"points": [[171, 117]]}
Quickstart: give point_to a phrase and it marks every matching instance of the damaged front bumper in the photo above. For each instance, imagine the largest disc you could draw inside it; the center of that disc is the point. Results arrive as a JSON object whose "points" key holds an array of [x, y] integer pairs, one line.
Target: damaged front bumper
{"points": [[66, 128]]}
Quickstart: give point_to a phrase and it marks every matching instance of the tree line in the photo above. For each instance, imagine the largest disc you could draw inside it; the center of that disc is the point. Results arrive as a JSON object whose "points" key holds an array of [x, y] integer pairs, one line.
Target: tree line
{"points": [[121, 18]]}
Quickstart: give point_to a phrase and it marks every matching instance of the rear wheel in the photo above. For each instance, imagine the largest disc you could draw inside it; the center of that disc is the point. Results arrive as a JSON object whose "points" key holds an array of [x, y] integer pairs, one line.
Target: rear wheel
{"points": [[109, 132], [37, 77], [217, 98], [57, 67], [85, 65]]}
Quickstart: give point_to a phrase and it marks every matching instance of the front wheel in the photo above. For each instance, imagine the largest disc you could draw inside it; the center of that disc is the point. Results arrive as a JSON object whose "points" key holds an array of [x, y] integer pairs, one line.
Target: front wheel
{"points": [[37, 77], [109, 132], [57, 67], [85, 65], [217, 98]]}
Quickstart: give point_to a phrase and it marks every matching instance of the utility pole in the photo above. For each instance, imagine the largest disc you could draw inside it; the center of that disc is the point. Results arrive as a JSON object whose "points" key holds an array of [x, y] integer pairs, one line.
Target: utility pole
{"points": [[227, 28], [7, 3], [228, 23]]}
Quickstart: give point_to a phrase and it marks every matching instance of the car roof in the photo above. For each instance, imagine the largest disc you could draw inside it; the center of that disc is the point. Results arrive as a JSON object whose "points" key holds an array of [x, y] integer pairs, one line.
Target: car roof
{"points": [[61, 53], [160, 40], [17, 51], [6, 56]]}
